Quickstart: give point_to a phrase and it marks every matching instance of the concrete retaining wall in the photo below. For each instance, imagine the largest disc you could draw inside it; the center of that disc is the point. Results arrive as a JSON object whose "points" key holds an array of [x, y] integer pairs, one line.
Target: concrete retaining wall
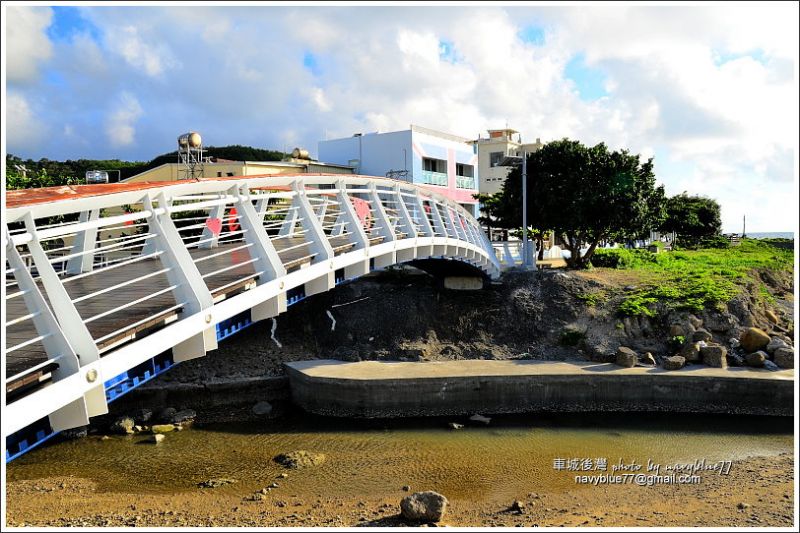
{"points": [[320, 387]]}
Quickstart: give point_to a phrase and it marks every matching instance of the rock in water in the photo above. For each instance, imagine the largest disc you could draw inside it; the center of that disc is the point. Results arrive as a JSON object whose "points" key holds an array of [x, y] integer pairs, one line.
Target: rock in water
{"points": [[214, 483], [756, 359], [626, 357], [769, 365], [675, 362], [262, 408], [648, 359], [299, 459], [517, 507], [480, 418], [784, 357], [155, 439], [123, 425], [701, 335], [454, 425], [753, 339], [714, 355], [162, 428], [428, 506]]}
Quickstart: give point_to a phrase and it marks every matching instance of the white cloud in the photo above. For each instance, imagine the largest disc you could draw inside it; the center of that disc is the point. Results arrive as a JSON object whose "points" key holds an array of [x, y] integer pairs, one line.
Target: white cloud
{"points": [[27, 44], [24, 129], [320, 99], [140, 52], [680, 81], [120, 126]]}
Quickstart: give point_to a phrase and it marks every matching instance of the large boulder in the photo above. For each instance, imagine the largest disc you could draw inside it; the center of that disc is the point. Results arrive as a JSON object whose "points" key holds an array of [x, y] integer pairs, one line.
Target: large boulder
{"points": [[690, 351], [626, 357], [714, 355], [701, 335], [756, 359], [774, 344], [753, 339], [675, 362], [300, 459], [784, 357], [428, 506]]}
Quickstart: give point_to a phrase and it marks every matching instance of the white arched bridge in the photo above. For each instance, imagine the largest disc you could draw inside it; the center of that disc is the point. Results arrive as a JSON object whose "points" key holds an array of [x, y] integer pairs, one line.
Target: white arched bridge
{"points": [[107, 286]]}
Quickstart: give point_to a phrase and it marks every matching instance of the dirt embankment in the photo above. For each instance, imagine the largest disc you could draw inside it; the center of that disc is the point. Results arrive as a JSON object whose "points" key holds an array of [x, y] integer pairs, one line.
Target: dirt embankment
{"points": [[547, 315]]}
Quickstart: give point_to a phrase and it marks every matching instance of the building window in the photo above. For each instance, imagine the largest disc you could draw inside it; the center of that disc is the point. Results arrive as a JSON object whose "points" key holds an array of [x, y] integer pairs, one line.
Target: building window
{"points": [[465, 176], [464, 170], [495, 158], [434, 165], [434, 171]]}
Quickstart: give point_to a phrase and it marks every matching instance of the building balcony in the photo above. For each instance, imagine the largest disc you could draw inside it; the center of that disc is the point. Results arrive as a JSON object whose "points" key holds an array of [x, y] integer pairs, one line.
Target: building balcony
{"points": [[465, 182], [434, 178]]}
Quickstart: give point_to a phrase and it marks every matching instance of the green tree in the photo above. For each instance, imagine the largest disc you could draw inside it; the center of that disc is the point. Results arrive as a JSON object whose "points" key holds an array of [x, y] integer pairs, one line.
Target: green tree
{"points": [[584, 194], [693, 219]]}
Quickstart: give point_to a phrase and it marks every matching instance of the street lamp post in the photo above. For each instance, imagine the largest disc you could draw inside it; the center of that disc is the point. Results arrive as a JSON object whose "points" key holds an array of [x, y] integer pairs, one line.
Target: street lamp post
{"points": [[528, 258]]}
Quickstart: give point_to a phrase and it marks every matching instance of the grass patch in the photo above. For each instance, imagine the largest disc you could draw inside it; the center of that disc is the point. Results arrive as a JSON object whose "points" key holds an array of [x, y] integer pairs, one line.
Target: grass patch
{"points": [[592, 299], [694, 279], [765, 295]]}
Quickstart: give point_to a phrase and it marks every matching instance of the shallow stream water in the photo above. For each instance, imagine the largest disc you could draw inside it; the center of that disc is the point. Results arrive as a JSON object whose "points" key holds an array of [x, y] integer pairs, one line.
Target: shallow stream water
{"points": [[512, 455]]}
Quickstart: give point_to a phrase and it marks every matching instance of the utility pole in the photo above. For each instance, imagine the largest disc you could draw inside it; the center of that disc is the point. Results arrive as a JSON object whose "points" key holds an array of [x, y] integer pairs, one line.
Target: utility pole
{"points": [[744, 226]]}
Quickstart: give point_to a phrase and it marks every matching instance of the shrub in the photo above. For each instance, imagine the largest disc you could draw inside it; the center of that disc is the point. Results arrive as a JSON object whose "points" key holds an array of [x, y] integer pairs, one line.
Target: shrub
{"points": [[676, 342]]}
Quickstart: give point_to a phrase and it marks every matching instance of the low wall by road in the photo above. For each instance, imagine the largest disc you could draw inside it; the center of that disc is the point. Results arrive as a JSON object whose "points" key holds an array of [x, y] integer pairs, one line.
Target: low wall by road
{"points": [[391, 389]]}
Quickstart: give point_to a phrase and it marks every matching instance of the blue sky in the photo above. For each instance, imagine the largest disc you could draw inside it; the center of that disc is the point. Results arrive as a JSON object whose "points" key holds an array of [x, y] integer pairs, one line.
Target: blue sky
{"points": [[709, 92]]}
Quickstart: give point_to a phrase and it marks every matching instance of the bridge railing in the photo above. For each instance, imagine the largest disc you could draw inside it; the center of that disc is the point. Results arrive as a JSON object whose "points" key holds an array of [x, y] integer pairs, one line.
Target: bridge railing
{"points": [[98, 282]]}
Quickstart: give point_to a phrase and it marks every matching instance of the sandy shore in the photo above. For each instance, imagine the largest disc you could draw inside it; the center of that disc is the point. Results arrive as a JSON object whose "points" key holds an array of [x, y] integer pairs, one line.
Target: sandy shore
{"points": [[757, 492]]}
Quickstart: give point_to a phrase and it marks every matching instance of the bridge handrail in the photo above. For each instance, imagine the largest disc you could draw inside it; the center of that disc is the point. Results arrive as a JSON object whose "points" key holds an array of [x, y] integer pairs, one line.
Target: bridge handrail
{"points": [[289, 231]]}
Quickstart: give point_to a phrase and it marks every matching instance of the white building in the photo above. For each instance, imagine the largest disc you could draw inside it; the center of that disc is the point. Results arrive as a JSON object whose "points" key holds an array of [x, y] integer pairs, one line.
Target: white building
{"points": [[440, 161], [491, 152]]}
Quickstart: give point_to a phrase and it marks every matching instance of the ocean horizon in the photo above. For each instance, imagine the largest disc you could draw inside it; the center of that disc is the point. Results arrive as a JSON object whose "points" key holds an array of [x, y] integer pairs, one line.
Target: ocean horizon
{"points": [[770, 235]]}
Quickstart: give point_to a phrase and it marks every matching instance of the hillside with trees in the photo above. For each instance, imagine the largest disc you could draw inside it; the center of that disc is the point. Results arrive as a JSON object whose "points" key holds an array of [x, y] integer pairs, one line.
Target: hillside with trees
{"points": [[28, 173]]}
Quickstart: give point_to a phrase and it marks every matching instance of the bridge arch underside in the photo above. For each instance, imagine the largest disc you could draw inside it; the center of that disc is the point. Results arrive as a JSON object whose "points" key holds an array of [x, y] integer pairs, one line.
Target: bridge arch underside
{"points": [[441, 268], [107, 289]]}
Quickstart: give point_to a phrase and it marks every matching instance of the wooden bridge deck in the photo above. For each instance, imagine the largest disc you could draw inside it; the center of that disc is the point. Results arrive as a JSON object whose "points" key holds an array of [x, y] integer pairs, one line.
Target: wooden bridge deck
{"points": [[118, 327]]}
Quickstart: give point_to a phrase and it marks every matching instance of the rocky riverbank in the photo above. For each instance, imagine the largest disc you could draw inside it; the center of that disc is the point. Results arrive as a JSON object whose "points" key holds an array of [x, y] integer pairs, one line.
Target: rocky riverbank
{"points": [[404, 315]]}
